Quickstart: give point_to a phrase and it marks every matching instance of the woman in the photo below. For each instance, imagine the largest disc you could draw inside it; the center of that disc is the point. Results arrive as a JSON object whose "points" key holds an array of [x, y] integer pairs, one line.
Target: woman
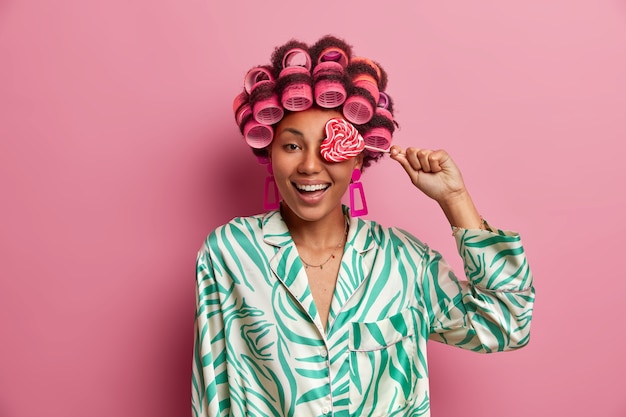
{"points": [[307, 310]]}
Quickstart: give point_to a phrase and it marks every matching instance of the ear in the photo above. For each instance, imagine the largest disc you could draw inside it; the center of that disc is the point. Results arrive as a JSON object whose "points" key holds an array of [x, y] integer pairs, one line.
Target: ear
{"points": [[358, 161]]}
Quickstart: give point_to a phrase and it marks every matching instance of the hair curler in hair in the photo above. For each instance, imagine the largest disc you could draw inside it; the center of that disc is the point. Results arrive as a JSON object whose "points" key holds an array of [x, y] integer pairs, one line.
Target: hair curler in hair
{"points": [[266, 108], [297, 57], [367, 65], [255, 76], [259, 84], [294, 82], [380, 130], [328, 75], [378, 137], [384, 101], [360, 105], [331, 48], [295, 86], [334, 54], [257, 135], [241, 108]]}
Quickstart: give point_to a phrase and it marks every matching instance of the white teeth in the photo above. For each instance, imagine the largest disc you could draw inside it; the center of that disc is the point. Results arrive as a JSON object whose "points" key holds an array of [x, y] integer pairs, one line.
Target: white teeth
{"points": [[315, 187]]}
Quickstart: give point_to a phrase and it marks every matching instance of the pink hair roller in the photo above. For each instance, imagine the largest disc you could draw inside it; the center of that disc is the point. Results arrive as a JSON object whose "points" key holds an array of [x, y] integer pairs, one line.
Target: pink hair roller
{"points": [[259, 84], [369, 83], [384, 113], [357, 109], [257, 135], [256, 76], [241, 108], [383, 100], [243, 113], [267, 109], [297, 57], [329, 91], [383, 105], [334, 54], [240, 100], [298, 95], [378, 137], [369, 62]]}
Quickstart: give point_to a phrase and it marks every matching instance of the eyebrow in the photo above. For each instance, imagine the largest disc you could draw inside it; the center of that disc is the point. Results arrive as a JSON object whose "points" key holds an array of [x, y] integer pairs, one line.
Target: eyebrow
{"points": [[293, 131]]}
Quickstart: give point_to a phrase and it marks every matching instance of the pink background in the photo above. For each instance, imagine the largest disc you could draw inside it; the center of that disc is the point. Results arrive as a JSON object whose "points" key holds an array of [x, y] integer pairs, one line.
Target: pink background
{"points": [[119, 153]]}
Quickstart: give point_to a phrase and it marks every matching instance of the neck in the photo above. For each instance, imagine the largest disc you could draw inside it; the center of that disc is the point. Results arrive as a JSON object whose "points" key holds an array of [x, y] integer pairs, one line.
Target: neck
{"points": [[322, 233]]}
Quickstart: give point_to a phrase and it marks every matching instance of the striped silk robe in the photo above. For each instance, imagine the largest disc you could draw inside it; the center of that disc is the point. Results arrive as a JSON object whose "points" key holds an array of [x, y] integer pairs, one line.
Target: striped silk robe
{"points": [[260, 349]]}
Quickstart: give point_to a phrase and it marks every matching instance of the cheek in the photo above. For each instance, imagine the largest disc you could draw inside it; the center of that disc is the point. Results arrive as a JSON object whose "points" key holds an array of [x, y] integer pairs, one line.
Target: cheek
{"points": [[343, 174], [279, 172]]}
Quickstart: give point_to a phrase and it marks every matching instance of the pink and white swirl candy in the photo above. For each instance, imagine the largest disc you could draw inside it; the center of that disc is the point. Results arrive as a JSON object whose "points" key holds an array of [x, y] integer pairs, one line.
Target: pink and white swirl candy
{"points": [[343, 141]]}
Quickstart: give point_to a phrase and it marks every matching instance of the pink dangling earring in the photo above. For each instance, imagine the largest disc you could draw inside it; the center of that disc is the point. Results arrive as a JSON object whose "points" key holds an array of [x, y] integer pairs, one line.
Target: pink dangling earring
{"points": [[271, 197], [356, 186]]}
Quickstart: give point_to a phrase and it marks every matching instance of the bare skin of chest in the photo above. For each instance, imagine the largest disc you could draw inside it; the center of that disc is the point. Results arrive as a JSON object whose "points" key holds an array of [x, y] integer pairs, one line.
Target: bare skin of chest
{"points": [[322, 284]]}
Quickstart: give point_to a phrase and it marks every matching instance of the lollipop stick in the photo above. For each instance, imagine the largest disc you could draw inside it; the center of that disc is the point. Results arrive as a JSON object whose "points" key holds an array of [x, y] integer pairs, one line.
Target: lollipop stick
{"points": [[375, 149]]}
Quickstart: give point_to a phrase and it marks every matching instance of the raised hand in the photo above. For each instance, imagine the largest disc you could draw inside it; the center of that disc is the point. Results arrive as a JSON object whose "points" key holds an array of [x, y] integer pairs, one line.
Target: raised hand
{"points": [[435, 174]]}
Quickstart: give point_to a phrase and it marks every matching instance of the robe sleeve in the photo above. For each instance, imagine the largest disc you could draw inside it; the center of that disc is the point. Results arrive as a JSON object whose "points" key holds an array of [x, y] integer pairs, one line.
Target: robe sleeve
{"points": [[210, 394], [491, 310]]}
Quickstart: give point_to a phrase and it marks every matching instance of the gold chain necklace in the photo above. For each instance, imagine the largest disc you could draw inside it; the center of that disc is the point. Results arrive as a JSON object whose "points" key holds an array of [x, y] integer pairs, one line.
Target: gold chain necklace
{"points": [[332, 254]]}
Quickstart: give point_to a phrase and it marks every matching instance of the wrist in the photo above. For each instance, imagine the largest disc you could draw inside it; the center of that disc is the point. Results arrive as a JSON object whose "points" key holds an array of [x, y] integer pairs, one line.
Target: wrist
{"points": [[454, 198], [461, 212]]}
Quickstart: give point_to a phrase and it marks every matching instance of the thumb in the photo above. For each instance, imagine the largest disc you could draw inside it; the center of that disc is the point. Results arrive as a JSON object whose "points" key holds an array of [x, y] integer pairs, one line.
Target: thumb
{"points": [[397, 154]]}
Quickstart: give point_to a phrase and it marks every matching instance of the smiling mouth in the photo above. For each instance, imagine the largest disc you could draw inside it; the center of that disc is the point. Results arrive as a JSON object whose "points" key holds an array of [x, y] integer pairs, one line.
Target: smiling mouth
{"points": [[311, 188]]}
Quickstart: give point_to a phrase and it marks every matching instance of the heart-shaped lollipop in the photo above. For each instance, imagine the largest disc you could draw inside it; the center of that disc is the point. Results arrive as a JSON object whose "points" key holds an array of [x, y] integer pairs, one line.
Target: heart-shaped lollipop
{"points": [[343, 141]]}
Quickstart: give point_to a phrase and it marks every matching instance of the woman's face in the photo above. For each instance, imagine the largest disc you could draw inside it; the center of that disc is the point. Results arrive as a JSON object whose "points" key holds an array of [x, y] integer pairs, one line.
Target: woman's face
{"points": [[310, 186]]}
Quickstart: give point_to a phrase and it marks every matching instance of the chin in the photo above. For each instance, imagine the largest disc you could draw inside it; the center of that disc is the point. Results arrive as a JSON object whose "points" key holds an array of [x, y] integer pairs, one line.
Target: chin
{"points": [[309, 214]]}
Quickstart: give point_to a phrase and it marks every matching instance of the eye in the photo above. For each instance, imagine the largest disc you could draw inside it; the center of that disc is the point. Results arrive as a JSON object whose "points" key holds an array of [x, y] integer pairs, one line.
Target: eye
{"points": [[291, 147]]}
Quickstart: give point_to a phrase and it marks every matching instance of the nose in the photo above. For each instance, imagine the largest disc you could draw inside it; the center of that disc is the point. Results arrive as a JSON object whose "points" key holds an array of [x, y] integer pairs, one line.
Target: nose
{"points": [[311, 162]]}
